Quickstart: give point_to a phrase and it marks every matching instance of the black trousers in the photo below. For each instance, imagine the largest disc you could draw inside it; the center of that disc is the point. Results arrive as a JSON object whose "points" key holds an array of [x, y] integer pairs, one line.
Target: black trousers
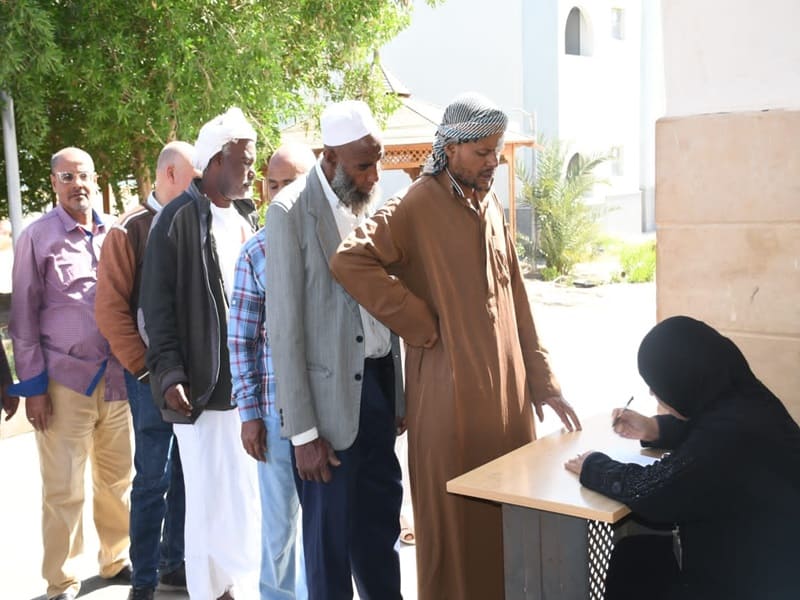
{"points": [[643, 566], [351, 524]]}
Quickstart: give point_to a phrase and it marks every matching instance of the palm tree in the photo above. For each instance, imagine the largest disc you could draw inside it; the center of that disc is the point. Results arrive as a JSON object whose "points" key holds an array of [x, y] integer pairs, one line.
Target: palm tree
{"points": [[565, 224]]}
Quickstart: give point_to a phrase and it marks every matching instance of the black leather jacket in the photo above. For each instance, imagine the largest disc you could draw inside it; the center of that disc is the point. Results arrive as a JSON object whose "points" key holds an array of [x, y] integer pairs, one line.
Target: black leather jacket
{"points": [[184, 305]]}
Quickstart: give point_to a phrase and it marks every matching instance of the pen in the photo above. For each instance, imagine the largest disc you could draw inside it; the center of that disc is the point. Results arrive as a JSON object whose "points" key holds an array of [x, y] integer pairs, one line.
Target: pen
{"points": [[619, 416]]}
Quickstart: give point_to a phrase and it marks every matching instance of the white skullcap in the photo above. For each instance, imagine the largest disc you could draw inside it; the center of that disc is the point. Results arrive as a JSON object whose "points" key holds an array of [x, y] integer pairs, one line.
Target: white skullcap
{"points": [[346, 122], [220, 130]]}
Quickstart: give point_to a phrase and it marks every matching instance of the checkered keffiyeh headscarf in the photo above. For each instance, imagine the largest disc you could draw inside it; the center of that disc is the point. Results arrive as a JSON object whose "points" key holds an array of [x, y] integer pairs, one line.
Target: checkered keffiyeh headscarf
{"points": [[468, 118]]}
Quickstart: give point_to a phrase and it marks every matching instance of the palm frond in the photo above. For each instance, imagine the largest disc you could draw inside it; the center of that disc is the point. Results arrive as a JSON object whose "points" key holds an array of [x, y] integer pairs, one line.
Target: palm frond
{"points": [[565, 224]]}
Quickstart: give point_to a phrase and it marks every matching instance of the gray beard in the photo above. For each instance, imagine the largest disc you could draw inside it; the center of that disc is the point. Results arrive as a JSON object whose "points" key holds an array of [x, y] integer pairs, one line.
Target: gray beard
{"points": [[349, 195]]}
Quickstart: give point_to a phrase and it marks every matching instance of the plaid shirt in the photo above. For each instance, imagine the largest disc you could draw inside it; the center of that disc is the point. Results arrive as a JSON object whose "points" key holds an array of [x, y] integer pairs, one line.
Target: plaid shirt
{"points": [[251, 363]]}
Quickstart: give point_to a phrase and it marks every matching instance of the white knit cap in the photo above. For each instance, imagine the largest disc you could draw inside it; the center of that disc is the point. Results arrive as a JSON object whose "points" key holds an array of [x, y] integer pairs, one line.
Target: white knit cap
{"points": [[220, 130], [345, 122]]}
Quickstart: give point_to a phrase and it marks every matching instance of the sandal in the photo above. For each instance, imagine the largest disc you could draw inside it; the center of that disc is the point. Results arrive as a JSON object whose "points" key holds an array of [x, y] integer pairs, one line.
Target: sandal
{"points": [[407, 535]]}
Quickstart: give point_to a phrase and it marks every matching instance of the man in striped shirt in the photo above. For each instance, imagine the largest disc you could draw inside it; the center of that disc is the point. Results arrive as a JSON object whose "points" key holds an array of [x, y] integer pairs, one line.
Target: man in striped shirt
{"points": [[254, 392]]}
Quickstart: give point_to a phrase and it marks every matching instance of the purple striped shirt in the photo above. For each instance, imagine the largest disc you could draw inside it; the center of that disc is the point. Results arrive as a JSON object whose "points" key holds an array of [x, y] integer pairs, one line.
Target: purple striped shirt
{"points": [[52, 323]]}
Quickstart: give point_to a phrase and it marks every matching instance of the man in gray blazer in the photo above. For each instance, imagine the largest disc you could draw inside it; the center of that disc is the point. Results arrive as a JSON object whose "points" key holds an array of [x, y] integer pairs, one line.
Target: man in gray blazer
{"points": [[338, 379]]}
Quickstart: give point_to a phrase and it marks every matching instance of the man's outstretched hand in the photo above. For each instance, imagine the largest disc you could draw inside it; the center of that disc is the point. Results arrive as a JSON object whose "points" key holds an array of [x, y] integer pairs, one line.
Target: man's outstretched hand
{"points": [[563, 409]]}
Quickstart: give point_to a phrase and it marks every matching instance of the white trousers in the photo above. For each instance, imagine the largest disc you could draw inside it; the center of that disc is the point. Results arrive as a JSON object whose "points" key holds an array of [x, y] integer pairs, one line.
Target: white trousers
{"points": [[223, 513]]}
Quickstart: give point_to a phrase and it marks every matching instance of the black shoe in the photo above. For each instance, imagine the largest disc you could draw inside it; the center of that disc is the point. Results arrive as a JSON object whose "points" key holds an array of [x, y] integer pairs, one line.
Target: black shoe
{"points": [[124, 575], [174, 580], [141, 593]]}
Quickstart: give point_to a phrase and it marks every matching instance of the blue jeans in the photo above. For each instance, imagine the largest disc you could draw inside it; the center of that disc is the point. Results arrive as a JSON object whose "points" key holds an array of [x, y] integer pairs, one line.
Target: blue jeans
{"points": [[157, 496], [281, 579]]}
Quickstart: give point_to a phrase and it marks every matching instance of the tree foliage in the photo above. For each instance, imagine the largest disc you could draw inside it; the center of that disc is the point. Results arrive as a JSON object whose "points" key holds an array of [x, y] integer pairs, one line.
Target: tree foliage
{"points": [[120, 79], [565, 224]]}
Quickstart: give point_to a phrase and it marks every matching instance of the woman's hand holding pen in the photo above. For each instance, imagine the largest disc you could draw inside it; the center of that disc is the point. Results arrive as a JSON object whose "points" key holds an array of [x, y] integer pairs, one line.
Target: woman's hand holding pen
{"points": [[626, 423], [633, 425]]}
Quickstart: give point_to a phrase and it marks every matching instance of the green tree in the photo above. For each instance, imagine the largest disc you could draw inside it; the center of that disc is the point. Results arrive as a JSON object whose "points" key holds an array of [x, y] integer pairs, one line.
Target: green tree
{"points": [[30, 59], [565, 224], [122, 79]]}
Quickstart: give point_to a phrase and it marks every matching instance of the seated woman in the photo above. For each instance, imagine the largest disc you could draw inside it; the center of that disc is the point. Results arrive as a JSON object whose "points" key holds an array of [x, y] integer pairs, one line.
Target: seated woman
{"points": [[731, 482]]}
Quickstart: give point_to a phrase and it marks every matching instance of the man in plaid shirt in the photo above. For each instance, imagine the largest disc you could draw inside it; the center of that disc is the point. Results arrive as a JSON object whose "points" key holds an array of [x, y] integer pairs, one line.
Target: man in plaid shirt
{"points": [[282, 565]]}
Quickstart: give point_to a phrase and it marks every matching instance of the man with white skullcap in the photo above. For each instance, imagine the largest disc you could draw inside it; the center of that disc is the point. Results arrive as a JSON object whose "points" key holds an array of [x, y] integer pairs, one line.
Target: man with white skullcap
{"points": [[339, 390], [438, 266], [187, 280]]}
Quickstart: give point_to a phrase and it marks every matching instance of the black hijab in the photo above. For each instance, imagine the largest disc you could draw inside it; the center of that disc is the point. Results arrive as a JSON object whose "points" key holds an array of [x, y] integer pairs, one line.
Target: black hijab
{"points": [[691, 366]]}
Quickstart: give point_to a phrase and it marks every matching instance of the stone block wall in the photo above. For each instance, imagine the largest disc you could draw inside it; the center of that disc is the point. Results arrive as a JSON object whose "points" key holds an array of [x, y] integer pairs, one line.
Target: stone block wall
{"points": [[728, 231]]}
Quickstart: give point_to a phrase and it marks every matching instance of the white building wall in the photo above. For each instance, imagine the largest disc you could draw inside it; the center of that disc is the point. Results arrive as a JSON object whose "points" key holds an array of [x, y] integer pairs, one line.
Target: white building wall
{"points": [[728, 177], [600, 104], [600, 93], [514, 54], [458, 47], [731, 55], [652, 80], [541, 32], [461, 46]]}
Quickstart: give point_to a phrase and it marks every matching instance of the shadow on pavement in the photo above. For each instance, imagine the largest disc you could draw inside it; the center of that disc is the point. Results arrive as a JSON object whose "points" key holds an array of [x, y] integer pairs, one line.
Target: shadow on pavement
{"points": [[92, 584]]}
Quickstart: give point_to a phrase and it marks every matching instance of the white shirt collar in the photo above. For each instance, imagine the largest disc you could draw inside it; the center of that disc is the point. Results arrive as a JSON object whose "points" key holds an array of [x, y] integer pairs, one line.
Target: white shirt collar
{"points": [[330, 195], [153, 203]]}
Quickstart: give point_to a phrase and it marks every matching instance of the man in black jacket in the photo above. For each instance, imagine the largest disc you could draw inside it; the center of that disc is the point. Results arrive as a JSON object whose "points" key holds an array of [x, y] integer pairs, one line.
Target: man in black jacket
{"points": [[157, 496], [186, 286]]}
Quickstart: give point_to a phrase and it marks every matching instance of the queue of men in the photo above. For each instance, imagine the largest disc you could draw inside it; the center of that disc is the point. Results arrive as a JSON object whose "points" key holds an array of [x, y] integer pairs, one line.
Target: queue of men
{"points": [[262, 367]]}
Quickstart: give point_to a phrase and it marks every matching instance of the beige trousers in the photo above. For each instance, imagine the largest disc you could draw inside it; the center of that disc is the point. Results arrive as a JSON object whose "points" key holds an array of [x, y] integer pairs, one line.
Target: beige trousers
{"points": [[84, 427]]}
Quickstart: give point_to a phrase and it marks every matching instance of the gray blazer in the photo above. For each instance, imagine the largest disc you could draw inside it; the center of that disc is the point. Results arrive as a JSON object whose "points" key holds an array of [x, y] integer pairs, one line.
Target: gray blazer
{"points": [[315, 332]]}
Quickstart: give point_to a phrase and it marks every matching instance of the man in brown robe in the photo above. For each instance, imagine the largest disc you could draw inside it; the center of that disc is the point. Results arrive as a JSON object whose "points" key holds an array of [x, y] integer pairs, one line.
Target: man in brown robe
{"points": [[438, 267]]}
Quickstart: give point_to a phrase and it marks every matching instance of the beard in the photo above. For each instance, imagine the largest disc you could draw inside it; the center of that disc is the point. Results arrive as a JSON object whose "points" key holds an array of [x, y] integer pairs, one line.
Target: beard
{"points": [[349, 195], [472, 182]]}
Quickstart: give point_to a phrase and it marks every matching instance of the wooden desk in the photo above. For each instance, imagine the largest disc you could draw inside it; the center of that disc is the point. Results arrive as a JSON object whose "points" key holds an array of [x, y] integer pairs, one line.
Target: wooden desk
{"points": [[557, 535]]}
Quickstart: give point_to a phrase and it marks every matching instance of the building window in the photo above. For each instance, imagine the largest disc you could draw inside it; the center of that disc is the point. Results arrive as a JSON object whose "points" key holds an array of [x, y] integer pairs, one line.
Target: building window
{"points": [[577, 40], [617, 159], [618, 23]]}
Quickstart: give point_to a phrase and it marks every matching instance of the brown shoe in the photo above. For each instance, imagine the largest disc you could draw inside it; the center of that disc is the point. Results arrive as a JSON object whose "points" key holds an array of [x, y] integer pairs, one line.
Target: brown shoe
{"points": [[226, 596]]}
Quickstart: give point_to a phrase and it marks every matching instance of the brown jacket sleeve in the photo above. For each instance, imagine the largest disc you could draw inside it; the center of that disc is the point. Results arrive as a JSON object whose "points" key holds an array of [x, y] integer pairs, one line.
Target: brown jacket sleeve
{"points": [[362, 265], [542, 383], [116, 274]]}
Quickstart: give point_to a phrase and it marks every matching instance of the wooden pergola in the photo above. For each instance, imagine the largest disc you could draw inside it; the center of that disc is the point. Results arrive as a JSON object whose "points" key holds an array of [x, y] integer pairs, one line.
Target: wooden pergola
{"points": [[408, 138]]}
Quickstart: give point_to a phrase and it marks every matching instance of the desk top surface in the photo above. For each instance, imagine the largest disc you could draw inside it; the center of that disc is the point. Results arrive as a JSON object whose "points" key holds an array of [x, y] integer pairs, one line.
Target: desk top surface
{"points": [[534, 476]]}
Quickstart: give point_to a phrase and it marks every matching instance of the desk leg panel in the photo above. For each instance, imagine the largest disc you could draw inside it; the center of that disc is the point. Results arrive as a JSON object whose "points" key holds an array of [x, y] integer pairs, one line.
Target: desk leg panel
{"points": [[546, 555]]}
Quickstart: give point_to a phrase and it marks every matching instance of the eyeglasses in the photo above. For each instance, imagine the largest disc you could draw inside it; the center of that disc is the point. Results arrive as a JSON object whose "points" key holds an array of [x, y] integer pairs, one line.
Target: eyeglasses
{"points": [[70, 177]]}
